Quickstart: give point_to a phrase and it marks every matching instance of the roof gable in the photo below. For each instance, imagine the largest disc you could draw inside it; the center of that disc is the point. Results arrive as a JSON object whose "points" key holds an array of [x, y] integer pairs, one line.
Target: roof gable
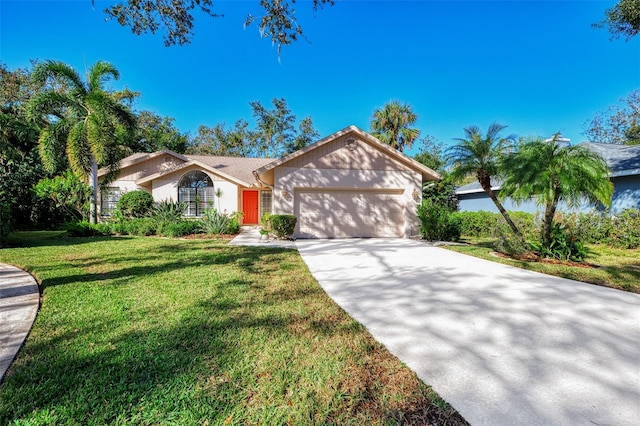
{"points": [[297, 159]]}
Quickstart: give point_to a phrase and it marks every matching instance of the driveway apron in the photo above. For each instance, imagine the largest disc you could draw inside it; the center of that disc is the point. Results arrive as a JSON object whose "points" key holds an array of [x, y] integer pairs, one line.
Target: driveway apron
{"points": [[504, 346]]}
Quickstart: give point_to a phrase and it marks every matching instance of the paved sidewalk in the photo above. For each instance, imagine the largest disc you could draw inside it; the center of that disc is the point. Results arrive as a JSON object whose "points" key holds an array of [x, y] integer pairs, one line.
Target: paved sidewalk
{"points": [[503, 345], [19, 302], [250, 236]]}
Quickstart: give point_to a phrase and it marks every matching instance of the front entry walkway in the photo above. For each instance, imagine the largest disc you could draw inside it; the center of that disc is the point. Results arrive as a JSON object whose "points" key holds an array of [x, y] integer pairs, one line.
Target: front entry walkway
{"points": [[19, 302], [504, 346]]}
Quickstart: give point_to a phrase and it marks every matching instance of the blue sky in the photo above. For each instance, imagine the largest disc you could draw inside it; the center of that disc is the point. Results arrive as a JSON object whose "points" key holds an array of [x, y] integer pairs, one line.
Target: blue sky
{"points": [[536, 66]]}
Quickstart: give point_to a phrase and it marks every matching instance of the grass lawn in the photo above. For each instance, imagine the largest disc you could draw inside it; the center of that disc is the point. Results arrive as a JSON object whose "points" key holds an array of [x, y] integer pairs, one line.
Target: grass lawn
{"points": [[161, 331], [605, 266]]}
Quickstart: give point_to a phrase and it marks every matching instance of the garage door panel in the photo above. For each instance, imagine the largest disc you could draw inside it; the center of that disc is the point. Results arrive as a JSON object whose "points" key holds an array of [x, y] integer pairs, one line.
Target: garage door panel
{"points": [[344, 214]]}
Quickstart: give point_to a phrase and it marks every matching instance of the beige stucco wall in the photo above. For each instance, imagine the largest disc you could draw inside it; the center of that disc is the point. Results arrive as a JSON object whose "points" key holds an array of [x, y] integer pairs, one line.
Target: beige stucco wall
{"points": [[291, 179]]}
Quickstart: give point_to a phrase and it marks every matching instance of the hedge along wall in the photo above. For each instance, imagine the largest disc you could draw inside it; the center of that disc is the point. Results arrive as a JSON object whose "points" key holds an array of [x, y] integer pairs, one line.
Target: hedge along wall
{"points": [[621, 230]]}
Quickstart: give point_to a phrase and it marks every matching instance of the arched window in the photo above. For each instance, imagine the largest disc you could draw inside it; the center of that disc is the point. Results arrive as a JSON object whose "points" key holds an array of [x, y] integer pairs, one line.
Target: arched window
{"points": [[196, 191]]}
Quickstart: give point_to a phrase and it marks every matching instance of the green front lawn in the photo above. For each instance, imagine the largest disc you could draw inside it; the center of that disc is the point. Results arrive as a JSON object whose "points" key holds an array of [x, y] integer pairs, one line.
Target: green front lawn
{"points": [[137, 330], [605, 266]]}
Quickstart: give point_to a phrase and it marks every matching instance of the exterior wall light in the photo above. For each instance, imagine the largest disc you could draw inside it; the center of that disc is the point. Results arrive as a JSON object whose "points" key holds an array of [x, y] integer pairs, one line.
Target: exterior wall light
{"points": [[416, 195], [285, 194]]}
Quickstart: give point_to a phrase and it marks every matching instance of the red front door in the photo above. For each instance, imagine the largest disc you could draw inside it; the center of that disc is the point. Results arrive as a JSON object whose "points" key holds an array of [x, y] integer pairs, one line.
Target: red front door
{"points": [[250, 207]]}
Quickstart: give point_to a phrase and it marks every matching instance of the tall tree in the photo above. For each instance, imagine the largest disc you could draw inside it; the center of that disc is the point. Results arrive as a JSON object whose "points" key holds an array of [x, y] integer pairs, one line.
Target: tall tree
{"points": [[623, 19], [218, 140], [431, 154], [551, 172], [175, 18], [619, 124], [306, 134], [81, 122], [479, 155], [274, 127], [392, 125], [154, 133]]}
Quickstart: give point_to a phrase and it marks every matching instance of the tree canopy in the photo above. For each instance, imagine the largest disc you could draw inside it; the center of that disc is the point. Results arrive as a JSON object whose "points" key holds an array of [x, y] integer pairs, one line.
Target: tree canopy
{"points": [[392, 123], [550, 172], [81, 122], [623, 19], [175, 18], [619, 124], [479, 155]]}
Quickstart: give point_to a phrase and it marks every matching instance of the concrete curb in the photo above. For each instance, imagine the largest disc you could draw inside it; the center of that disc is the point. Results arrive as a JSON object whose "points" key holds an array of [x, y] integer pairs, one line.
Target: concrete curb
{"points": [[19, 303]]}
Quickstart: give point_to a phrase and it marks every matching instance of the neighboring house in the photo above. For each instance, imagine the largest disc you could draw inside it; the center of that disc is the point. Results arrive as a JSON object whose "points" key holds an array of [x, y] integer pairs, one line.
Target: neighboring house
{"points": [[348, 184], [623, 161]]}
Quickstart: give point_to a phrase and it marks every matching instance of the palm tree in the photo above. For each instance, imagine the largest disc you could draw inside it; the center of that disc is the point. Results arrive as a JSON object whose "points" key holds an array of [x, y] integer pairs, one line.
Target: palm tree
{"points": [[391, 125], [81, 123], [478, 154], [550, 172]]}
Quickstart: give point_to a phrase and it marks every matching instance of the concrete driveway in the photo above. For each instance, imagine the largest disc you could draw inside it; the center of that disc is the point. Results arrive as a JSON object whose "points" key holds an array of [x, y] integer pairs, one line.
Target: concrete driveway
{"points": [[502, 345]]}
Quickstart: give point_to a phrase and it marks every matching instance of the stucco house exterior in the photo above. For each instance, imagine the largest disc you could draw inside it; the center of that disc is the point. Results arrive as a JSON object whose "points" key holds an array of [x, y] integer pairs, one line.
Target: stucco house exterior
{"points": [[624, 166], [348, 184]]}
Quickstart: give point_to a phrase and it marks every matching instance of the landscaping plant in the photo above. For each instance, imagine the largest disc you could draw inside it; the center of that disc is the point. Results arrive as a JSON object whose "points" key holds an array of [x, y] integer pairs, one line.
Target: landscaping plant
{"points": [[283, 225], [135, 204]]}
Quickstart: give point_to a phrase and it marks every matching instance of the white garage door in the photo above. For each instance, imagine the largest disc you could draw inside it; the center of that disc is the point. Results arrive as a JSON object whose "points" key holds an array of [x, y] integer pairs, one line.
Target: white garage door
{"points": [[345, 214]]}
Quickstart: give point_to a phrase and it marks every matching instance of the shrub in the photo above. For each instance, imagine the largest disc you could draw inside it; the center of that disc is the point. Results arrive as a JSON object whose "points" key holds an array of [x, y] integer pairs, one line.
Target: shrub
{"points": [[283, 225], [625, 229], [84, 229], [179, 228], [511, 245], [214, 222], [486, 224], [135, 204], [168, 211], [563, 245], [437, 222], [5, 222], [142, 226], [265, 220]]}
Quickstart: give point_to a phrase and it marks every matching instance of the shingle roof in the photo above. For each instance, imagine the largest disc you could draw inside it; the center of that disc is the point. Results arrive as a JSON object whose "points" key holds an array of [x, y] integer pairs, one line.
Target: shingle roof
{"points": [[238, 167], [623, 160]]}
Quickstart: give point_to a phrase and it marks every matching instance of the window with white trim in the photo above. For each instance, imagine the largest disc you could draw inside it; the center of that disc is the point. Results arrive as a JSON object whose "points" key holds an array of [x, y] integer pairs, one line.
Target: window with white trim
{"points": [[266, 200], [109, 200]]}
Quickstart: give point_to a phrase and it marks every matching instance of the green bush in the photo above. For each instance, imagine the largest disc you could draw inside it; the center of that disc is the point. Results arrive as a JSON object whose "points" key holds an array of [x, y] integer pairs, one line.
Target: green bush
{"points": [[141, 226], [625, 229], [84, 229], [283, 225], [621, 230], [486, 224], [168, 211], [437, 222], [214, 222], [511, 245], [135, 204], [5, 222], [179, 228], [563, 245]]}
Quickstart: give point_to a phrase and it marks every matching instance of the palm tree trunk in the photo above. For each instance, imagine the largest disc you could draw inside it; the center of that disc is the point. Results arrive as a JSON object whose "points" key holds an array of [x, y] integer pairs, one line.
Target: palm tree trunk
{"points": [[549, 213], [93, 183], [485, 182], [504, 214]]}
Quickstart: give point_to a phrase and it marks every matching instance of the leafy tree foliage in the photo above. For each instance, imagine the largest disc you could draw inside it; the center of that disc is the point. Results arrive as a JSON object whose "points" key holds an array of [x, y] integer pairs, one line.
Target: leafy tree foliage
{"points": [[392, 123], [550, 172], [68, 192], [81, 122], [20, 166], [155, 133], [618, 124], [175, 18], [217, 140], [623, 19], [275, 134], [431, 154], [479, 155]]}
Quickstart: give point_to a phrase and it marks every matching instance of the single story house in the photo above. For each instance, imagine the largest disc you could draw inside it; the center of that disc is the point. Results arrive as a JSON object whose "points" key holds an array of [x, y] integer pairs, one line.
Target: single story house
{"points": [[623, 162], [348, 184]]}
